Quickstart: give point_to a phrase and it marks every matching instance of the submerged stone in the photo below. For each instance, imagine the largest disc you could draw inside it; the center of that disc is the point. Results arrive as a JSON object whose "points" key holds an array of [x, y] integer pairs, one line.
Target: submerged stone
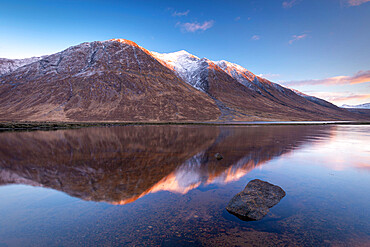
{"points": [[254, 201], [218, 156]]}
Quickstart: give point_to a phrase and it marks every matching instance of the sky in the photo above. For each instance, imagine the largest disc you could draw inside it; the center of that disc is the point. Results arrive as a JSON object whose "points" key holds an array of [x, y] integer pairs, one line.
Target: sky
{"points": [[319, 47]]}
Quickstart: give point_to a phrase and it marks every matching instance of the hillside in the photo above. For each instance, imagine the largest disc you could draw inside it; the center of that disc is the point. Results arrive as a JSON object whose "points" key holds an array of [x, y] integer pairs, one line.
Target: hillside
{"points": [[118, 80]]}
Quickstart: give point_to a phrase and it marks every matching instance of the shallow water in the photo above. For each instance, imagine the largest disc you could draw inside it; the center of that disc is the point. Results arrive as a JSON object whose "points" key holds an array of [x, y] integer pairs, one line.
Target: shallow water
{"points": [[162, 186]]}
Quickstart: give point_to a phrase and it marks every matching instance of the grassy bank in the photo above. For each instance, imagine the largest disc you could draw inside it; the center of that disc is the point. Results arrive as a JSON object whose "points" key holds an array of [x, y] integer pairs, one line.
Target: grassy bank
{"points": [[29, 126]]}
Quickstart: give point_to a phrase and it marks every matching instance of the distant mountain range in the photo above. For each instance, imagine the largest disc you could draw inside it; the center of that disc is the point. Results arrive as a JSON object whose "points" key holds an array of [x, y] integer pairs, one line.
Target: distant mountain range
{"points": [[361, 106], [118, 80]]}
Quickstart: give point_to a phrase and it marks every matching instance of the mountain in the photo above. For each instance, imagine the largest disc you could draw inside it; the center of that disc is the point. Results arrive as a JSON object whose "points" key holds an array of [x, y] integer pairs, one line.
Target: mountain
{"points": [[9, 65], [362, 109], [241, 95], [118, 80], [113, 80], [361, 106]]}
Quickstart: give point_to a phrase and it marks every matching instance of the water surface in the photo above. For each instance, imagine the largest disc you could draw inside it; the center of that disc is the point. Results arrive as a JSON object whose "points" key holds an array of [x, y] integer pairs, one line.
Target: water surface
{"points": [[161, 185]]}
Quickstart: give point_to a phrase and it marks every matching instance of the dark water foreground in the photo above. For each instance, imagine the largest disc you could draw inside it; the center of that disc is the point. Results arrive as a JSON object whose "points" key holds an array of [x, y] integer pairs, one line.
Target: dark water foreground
{"points": [[162, 186]]}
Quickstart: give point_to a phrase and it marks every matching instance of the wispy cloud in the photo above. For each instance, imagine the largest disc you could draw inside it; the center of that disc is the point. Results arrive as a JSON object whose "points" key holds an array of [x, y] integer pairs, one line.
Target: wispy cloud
{"points": [[289, 4], [296, 38], [341, 97], [351, 3], [184, 13], [269, 76], [237, 18], [359, 77], [256, 37], [351, 97], [195, 26]]}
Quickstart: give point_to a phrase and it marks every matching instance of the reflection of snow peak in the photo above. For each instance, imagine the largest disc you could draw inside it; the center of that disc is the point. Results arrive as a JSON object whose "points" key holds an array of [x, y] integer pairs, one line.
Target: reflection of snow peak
{"points": [[184, 179], [235, 172], [190, 175]]}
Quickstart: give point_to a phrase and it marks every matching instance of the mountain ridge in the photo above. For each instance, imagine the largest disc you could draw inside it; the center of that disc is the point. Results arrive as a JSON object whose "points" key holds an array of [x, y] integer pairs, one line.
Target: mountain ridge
{"points": [[8, 65], [360, 106], [118, 80]]}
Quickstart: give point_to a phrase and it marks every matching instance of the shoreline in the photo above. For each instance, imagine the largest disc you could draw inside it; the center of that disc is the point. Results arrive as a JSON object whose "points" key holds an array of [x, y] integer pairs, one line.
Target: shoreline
{"points": [[33, 126]]}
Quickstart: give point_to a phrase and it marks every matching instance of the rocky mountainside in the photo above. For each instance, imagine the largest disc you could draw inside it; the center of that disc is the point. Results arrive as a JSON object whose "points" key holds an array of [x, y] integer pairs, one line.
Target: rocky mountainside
{"points": [[118, 80], [241, 95], [9, 65], [113, 80]]}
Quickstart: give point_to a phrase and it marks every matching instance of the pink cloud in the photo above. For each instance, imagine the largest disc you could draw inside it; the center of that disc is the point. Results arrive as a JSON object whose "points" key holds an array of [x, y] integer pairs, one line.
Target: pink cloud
{"points": [[289, 4], [355, 2], [359, 77], [296, 38], [342, 97], [352, 97], [256, 37], [195, 26]]}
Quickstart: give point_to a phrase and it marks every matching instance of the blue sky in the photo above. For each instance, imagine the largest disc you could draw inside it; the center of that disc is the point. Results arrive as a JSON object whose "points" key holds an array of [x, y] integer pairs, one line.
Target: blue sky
{"points": [[321, 47]]}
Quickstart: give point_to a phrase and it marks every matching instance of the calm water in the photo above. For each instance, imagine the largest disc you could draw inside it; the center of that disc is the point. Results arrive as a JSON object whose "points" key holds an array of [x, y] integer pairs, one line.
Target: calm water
{"points": [[162, 186]]}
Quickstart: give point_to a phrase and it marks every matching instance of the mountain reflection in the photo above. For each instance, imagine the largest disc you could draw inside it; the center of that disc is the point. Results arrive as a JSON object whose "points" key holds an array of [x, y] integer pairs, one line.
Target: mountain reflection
{"points": [[118, 165]]}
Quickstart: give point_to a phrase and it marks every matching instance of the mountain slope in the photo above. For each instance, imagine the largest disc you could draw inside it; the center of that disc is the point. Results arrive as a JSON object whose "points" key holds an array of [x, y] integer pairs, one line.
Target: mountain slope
{"points": [[117, 80], [9, 65], [241, 95], [114, 80]]}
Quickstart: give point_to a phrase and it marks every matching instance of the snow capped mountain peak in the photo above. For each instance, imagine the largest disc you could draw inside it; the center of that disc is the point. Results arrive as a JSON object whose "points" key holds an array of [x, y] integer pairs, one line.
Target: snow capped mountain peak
{"points": [[241, 74], [83, 81], [9, 65], [361, 106], [130, 43], [189, 67], [300, 93], [176, 57], [125, 41], [180, 53], [193, 69], [228, 65]]}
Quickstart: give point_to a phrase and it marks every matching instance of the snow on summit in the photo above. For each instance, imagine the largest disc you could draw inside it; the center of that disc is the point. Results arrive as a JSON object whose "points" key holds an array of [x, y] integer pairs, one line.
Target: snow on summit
{"points": [[181, 61], [189, 67], [9, 65], [193, 69], [119, 80], [236, 71]]}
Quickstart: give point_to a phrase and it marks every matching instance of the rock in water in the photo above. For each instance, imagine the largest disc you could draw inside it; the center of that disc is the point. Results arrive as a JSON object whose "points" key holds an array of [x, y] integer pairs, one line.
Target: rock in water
{"points": [[254, 201], [218, 156]]}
